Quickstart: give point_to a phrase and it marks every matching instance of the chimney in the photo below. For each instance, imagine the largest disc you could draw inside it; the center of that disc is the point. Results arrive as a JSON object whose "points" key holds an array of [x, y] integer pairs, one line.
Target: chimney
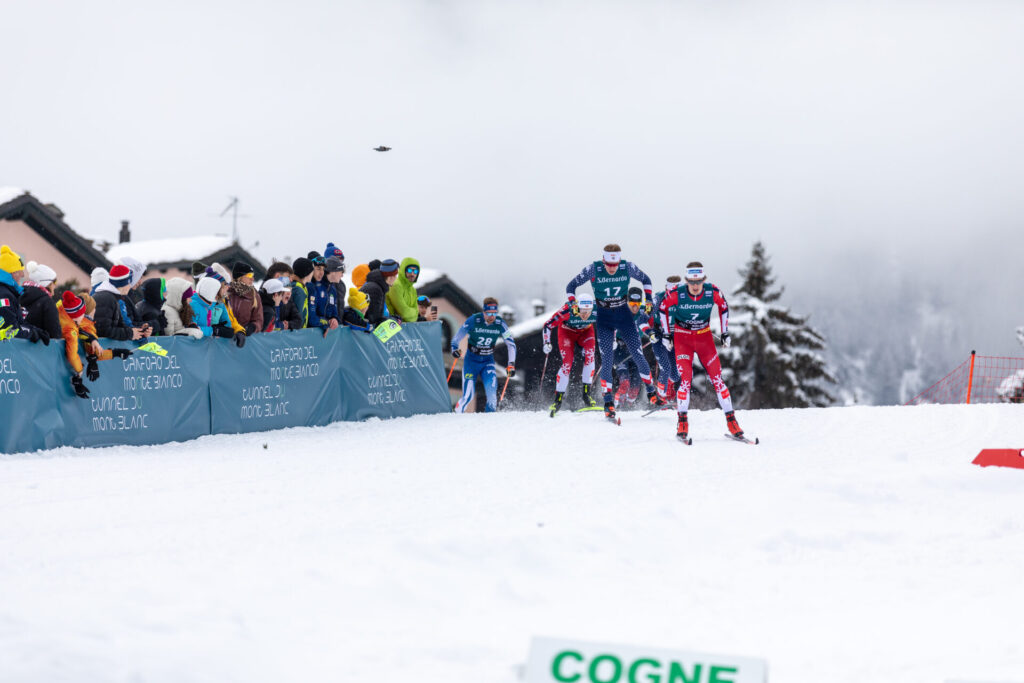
{"points": [[538, 306], [125, 235]]}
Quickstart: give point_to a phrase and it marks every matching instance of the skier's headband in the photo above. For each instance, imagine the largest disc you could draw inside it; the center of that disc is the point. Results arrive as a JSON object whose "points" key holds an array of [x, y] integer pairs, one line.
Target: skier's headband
{"points": [[612, 257], [491, 309], [585, 303], [695, 276]]}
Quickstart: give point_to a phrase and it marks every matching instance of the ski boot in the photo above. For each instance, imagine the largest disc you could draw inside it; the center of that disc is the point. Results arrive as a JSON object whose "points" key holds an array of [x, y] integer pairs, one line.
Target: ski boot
{"points": [[734, 426], [623, 393], [653, 397], [683, 429], [588, 400], [609, 411], [558, 402]]}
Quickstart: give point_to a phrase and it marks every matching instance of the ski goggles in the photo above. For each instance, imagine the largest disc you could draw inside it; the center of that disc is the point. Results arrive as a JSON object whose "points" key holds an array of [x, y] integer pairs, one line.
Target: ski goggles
{"points": [[319, 261]]}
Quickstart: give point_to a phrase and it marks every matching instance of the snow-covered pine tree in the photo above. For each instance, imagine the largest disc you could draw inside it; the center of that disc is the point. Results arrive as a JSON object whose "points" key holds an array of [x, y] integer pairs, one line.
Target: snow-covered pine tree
{"points": [[774, 359]]}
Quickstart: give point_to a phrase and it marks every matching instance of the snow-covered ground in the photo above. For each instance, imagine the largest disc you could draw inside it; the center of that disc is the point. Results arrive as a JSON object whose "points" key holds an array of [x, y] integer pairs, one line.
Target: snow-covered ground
{"points": [[854, 544]]}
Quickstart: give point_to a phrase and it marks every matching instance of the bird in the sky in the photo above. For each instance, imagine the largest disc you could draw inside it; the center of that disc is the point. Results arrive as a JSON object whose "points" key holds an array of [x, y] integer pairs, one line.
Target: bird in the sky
{"points": [[382, 148]]}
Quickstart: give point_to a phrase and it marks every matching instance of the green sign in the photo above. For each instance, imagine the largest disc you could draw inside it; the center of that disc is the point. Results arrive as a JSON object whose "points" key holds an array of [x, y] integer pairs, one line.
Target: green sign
{"points": [[386, 330], [562, 661]]}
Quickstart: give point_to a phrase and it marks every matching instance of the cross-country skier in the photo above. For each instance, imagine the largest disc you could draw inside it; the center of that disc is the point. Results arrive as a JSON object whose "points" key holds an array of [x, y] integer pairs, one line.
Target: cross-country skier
{"points": [[610, 279], [668, 373], [625, 367], [574, 329], [687, 312], [484, 330]]}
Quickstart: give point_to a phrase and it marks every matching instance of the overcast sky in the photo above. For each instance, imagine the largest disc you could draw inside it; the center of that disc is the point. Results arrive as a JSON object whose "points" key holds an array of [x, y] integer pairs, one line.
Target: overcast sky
{"points": [[528, 134]]}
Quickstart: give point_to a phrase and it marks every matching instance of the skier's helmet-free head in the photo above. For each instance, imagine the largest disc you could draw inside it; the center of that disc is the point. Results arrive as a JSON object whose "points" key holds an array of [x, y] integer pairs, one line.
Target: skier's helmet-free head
{"points": [[635, 298], [672, 283], [490, 309], [586, 305], [695, 274], [611, 257]]}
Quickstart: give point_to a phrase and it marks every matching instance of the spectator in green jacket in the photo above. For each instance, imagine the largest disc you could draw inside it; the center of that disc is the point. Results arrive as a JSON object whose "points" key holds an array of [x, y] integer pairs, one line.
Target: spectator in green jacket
{"points": [[401, 297]]}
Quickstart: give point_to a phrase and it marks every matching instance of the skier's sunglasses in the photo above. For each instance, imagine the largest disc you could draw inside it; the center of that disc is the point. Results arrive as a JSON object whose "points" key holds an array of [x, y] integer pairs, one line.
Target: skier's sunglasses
{"points": [[412, 269], [696, 282]]}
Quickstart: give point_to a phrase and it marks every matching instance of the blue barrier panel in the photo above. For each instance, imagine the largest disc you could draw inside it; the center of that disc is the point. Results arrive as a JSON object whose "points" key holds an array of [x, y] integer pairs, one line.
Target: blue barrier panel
{"points": [[282, 379], [401, 377], [29, 418], [143, 399]]}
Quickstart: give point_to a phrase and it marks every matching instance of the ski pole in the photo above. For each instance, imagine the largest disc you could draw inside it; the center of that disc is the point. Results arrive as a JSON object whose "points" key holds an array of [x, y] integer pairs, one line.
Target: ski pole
{"points": [[544, 371], [451, 370], [503, 389]]}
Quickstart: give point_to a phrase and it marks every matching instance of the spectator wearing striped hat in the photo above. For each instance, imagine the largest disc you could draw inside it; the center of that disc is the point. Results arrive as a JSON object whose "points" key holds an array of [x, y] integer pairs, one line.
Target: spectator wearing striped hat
{"points": [[71, 310], [114, 312]]}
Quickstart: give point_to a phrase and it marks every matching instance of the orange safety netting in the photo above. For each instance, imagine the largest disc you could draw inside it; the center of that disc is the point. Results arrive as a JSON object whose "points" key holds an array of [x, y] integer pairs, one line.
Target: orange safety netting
{"points": [[979, 379]]}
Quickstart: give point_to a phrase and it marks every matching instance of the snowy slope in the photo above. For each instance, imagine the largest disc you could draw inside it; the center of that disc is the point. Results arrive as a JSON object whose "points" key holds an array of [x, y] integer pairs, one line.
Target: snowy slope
{"points": [[854, 544]]}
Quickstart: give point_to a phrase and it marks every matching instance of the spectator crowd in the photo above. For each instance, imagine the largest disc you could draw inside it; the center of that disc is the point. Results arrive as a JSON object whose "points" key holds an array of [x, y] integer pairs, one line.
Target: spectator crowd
{"points": [[120, 305]]}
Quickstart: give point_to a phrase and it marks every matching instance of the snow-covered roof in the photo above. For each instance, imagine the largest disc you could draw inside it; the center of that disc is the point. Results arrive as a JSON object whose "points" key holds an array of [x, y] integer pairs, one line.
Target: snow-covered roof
{"points": [[170, 249], [9, 193]]}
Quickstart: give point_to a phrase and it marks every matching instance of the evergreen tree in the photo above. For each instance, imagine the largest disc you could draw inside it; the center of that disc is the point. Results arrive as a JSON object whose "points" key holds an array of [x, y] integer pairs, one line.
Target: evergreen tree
{"points": [[774, 360]]}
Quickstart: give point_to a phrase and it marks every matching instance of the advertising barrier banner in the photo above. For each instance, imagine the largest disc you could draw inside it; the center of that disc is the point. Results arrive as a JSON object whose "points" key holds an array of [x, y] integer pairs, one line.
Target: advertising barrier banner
{"points": [[28, 396], [183, 388], [146, 398], [399, 377], [276, 380]]}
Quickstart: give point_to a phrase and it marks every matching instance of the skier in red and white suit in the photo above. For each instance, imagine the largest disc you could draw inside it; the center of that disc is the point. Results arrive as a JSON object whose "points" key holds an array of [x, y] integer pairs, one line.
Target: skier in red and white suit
{"points": [[687, 313], [574, 329]]}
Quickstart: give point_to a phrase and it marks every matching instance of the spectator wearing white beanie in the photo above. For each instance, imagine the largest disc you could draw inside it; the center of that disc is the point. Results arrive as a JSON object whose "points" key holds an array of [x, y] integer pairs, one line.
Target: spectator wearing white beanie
{"points": [[37, 299]]}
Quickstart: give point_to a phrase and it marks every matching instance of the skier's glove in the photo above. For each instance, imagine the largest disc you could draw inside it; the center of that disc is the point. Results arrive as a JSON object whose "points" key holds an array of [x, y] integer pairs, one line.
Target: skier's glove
{"points": [[239, 339], [121, 353], [648, 307], [92, 371], [456, 353], [547, 348], [80, 390], [667, 342], [511, 370], [653, 336], [726, 339], [575, 308]]}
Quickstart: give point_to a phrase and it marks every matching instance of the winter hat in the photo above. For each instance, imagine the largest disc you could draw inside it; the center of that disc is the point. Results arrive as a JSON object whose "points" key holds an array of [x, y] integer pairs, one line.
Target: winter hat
{"points": [[210, 272], [224, 273], [40, 274], [187, 294], [10, 261], [374, 264], [198, 268], [98, 276], [73, 305], [137, 268], [120, 276], [302, 267], [90, 303], [208, 288], [359, 274], [273, 286], [332, 250], [241, 269], [389, 266], [636, 295], [335, 265], [357, 299]]}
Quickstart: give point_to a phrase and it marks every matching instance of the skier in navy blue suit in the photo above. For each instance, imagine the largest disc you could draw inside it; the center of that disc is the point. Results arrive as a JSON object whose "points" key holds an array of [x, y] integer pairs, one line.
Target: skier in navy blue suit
{"points": [[484, 330], [610, 279]]}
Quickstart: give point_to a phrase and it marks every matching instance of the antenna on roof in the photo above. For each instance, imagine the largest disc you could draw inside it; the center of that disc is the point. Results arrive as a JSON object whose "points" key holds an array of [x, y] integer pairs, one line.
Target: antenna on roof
{"points": [[233, 207]]}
